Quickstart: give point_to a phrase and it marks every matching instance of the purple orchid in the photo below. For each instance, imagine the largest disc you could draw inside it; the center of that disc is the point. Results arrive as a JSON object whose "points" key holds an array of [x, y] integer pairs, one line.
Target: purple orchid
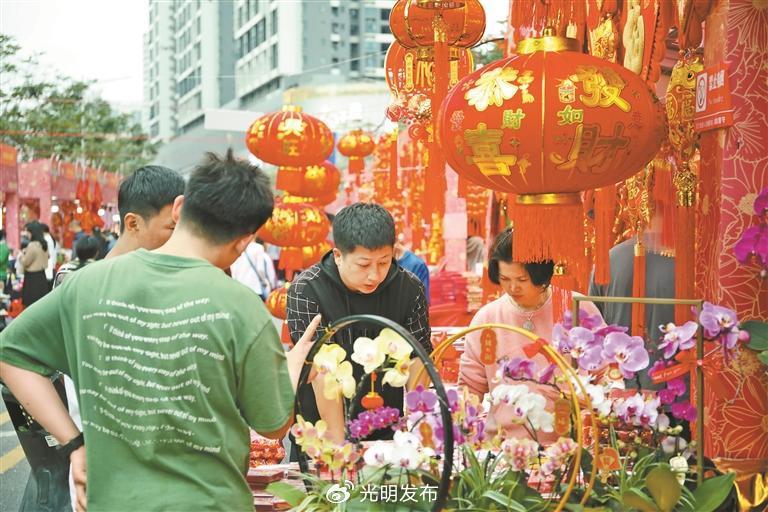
{"points": [[683, 411], [761, 203], [546, 375], [659, 365], [369, 421], [628, 351], [720, 324], [453, 400], [754, 240], [585, 320], [677, 338], [518, 368], [421, 400]]}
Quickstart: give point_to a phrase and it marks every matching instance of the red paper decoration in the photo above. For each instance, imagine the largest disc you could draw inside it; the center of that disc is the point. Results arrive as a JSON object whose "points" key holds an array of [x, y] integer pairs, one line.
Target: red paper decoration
{"points": [[295, 224], [356, 145], [412, 22], [276, 301], [289, 138], [313, 181]]}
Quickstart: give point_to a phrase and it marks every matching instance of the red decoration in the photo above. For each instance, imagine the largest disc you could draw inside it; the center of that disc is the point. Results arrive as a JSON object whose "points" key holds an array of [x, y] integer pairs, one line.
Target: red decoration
{"points": [[320, 180], [356, 145], [412, 22], [276, 301], [290, 138], [295, 224], [407, 74], [546, 124]]}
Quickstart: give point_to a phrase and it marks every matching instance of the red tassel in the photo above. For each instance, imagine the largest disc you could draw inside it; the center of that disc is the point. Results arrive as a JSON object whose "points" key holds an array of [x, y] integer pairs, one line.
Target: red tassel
{"points": [[664, 203], [605, 210], [638, 288], [393, 165], [550, 232], [685, 253]]}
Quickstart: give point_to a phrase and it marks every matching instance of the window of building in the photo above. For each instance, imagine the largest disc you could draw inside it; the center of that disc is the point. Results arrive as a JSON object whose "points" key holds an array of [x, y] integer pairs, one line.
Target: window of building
{"points": [[334, 11], [155, 130], [198, 24], [274, 21], [239, 15], [273, 56], [354, 65], [354, 29], [335, 60], [261, 32], [384, 14]]}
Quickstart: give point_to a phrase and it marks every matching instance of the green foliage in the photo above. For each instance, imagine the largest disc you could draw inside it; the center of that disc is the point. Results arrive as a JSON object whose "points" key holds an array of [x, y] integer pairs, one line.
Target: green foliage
{"points": [[712, 492], [45, 117], [664, 487], [481, 486], [758, 338]]}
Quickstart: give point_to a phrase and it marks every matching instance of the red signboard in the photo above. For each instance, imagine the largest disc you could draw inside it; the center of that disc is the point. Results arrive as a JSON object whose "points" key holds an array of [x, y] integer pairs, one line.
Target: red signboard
{"points": [[713, 99], [9, 176]]}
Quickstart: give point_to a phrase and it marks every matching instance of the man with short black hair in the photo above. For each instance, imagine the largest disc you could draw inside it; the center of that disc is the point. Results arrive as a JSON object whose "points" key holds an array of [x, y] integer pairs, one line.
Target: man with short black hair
{"points": [[169, 376], [145, 200], [359, 276]]}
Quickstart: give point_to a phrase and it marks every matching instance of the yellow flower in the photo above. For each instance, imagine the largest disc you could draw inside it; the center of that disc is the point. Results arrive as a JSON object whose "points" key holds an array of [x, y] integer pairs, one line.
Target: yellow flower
{"points": [[394, 345], [328, 358], [492, 88], [338, 382], [369, 353], [398, 375]]}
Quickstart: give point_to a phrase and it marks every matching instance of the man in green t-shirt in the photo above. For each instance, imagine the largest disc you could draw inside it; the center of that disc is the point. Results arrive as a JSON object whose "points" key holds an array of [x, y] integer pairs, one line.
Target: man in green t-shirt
{"points": [[172, 360]]}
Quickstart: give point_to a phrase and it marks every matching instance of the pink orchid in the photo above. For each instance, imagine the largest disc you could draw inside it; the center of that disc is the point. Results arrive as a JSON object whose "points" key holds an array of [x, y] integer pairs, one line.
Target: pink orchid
{"points": [[628, 351], [677, 338]]}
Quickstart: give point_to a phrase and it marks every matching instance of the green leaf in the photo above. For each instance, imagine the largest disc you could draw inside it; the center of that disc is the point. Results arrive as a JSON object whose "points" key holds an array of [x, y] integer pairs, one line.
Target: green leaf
{"points": [[763, 357], [758, 334], [636, 499], [504, 501], [712, 492], [287, 492], [664, 487]]}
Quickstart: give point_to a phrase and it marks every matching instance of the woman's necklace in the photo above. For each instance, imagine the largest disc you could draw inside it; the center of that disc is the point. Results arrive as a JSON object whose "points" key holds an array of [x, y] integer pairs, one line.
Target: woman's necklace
{"points": [[528, 313]]}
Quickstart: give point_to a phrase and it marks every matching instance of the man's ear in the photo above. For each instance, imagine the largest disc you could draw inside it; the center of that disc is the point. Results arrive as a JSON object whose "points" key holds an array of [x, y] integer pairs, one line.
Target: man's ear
{"points": [[242, 242], [176, 210], [337, 256], [132, 222]]}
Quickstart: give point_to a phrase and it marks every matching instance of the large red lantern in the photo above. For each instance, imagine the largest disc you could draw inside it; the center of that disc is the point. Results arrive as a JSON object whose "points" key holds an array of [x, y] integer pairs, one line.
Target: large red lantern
{"points": [[356, 145], [406, 74], [289, 138], [546, 124], [295, 225]]}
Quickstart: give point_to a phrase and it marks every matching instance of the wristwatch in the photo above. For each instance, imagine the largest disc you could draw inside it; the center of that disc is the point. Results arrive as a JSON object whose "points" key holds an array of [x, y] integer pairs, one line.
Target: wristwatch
{"points": [[66, 449]]}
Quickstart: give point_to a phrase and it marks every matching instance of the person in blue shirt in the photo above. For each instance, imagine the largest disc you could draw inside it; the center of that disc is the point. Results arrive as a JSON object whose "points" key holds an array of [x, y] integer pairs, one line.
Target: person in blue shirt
{"points": [[409, 261]]}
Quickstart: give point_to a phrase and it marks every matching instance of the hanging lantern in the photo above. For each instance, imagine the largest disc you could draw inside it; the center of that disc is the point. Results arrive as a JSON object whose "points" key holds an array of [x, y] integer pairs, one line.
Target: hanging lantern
{"points": [[356, 145], [277, 300], [295, 225], [412, 22], [405, 73], [319, 180], [546, 124], [289, 138]]}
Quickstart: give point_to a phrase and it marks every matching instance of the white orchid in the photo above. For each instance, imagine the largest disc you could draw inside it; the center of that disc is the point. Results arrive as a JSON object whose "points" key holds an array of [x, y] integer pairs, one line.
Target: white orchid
{"points": [[340, 381], [507, 393], [398, 375], [378, 454], [394, 345], [368, 353]]}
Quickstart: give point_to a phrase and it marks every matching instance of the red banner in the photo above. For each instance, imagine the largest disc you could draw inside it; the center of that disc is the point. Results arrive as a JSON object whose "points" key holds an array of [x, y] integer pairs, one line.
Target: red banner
{"points": [[9, 169]]}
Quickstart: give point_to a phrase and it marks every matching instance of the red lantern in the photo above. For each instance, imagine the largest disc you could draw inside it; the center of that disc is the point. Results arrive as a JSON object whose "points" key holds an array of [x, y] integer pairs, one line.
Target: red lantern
{"points": [[413, 22], [546, 124], [314, 201], [320, 180], [295, 225], [289, 138], [405, 73], [356, 145], [276, 301]]}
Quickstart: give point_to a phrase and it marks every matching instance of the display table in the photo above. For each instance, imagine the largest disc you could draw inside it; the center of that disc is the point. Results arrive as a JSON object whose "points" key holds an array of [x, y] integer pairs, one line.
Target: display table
{"points": [[259, 478]]}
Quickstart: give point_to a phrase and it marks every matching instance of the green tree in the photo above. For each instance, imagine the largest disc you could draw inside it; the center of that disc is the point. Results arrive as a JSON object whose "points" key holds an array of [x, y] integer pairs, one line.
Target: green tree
{"points": [[45, 117]]}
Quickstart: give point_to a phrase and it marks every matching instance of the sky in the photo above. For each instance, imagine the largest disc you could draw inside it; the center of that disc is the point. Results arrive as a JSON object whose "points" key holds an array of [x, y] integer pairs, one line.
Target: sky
{"points": [[102, 40]]}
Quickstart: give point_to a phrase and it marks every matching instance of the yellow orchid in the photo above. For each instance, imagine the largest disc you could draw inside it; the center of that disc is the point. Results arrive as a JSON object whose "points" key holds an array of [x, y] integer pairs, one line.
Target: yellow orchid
{"points": [[492, 88], [328, 358], [310, 437], [398, 375], [369, 353], [339, 381], [394, 345]]}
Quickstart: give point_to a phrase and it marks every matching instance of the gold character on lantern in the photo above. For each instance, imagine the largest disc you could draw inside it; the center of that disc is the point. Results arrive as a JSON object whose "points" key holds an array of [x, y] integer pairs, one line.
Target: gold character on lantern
{"points": [[524, 81], [290, 147], [291, 126], [409, 59], [589, 149], [512, 119], [486, 154], [570, 116], [603, 88], [492, 88]]}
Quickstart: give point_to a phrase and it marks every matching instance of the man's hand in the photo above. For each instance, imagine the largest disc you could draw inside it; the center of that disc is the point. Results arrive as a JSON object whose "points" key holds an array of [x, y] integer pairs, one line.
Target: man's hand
{"points": [[77, 461], [298, 353]]}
